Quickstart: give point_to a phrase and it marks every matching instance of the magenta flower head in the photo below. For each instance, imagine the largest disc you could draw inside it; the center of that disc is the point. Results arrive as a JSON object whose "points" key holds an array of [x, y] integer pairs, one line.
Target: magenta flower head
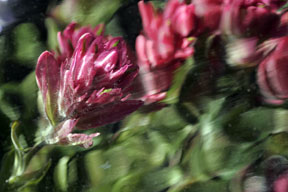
{"points": [[166, 34], [165, 42], [85, 86], [244, 25], [273, 74], [249, 17]]}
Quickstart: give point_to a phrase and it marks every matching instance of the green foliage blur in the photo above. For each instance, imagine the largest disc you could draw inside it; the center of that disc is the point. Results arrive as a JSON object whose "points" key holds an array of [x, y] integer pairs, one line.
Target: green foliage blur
{"points": [[201, 142]]}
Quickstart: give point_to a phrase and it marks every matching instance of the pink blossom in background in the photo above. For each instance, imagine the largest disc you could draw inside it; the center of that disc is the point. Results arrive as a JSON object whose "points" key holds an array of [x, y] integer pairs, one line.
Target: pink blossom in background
{"points": [[165, 35], [273, 74], [165, 42], [281, 183], [245, 25], [208, 14], [247, 18]]}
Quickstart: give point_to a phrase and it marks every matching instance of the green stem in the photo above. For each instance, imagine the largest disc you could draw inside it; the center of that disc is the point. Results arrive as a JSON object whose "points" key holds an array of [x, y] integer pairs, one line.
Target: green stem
{"points": [[22, 159]]}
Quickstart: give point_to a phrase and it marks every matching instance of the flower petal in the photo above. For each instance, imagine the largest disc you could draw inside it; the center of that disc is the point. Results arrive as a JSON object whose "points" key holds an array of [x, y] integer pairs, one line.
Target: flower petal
{"points": [[47, 77], [147, 14], [183, 21], [80, 65], [82, 140]]}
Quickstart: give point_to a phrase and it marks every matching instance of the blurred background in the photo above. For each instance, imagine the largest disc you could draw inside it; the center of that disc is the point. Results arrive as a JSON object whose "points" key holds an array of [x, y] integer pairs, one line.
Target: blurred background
{"points": [[146, 152]]}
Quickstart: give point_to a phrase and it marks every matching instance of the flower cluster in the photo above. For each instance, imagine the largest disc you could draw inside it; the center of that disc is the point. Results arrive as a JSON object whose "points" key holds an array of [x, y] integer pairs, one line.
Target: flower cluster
{"points": [[220, 67], [245, 24], [249, 18], [249, 30], [88, 82], [85, 85], [256, 35]]}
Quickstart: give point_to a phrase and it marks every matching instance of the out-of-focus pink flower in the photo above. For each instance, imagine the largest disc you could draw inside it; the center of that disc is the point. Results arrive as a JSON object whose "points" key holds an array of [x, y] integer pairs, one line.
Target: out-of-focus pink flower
{"points": [[273, 74], [248, 18], [165, 37], [281, 183], [244, 24], [244, 52], [165, 42], [155, 83], [208, 14], [85, 86], [272, 4], [284, 19], [182, 17]]}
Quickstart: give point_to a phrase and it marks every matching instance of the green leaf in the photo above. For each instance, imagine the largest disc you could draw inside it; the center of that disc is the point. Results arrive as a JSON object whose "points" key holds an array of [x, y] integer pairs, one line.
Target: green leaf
{"points": [[160, 121], [284, 6], [60, 174], [160, 150], [188, 112], [251, 125], [277, 144], [93, 162], [30, 179], [8, 106], [280, 120], [215, 186], [27, 44], [28, 90], [178, 80], [6, 169], [52, 33], [114, 27], [129, 183], [213, 153], [158, 4], [113, 164], [159, 180], [86, 12], [242, 122]]}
